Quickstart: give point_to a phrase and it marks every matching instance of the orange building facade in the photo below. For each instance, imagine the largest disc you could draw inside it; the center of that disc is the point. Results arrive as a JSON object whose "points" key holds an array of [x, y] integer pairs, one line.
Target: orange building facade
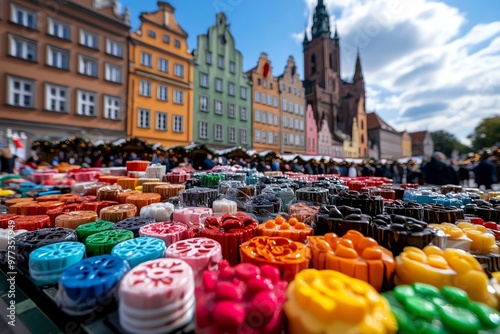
{"points": [[160, 80], [265, 107]]}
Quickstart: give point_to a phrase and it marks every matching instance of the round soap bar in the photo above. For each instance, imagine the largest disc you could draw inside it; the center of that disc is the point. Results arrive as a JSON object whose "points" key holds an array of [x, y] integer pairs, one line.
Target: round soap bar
{"points": [[90, 283], [166, 231], [290, 257], [139, 250], [160, 212], [303, 212], [116, 213], [137, 165], [149, 187], [326, 301], [200, 253], [240, 299], [224, 206], [75, 218], [422, 308], [6, 218], [169, 190], [203, 197], [122, 197], [440, 268], [127, 183], [103, 242], [134, 224], [279, 227], [108, 193], [31, 223], [97, 206], [86, 230], [192, 217], [163, 309], [141, 200], [48, 262]]}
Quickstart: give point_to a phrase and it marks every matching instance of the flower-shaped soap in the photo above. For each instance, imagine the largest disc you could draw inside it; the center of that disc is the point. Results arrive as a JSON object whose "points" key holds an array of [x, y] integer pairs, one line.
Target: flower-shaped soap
{"points": [[455, 236], [280, 227], [327, 301], [289, 256], [483, 242], [240, 299], [440, 268], [356, 256]]}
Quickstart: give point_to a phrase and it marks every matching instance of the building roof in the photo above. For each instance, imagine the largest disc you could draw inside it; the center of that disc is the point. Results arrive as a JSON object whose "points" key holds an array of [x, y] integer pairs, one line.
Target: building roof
{"points": [[373, 121], [418, 137]]}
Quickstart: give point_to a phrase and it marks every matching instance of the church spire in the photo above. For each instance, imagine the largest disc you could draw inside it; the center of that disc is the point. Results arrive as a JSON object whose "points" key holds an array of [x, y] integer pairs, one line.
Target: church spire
{"points": [[321, 21], [358, 73], [336, 36], [305, 41]]}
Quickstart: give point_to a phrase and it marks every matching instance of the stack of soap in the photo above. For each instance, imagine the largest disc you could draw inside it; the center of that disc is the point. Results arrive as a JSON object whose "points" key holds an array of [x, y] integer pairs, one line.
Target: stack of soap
{"points": [[240, 299], [164, 309], [166, 231], [280, 227]]}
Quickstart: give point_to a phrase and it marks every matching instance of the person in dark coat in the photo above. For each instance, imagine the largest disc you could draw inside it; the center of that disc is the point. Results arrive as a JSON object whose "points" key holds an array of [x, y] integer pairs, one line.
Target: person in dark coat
{"points": [[438, 172], [486, 172]]}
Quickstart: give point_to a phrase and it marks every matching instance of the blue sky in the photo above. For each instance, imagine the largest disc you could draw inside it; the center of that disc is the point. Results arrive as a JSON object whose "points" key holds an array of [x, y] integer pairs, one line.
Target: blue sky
{"points": [[428, 65]]}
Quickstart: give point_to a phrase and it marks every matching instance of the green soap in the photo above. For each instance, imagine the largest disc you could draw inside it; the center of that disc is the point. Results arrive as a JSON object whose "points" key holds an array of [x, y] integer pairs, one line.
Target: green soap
{"points": [[402, 292], [103, 242], [85, 230], [426, 290], [488, 316], [421, 307], [455, 296], [405, 324], [425, 327], [459, 320]]}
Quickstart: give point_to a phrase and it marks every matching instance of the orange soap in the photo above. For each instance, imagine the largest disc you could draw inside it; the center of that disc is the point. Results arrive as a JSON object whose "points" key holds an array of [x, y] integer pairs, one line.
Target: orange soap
{"points": [[356, 256], [108, 179], [108, 193], [141, 200], [291, 229], [74, 219], [149, 187], [290, 257], [27, 208], [127, 182], [12, 201], [169, 190], [116, 213], [122, 197]]}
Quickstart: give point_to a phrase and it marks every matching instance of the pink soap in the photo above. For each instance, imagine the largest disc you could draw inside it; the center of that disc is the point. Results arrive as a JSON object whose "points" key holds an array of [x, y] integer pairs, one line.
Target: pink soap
{"points": [[177, 177], [200, 253], [166, 231], [157, 297], [192, 217], [38, 177], [86, 176]]}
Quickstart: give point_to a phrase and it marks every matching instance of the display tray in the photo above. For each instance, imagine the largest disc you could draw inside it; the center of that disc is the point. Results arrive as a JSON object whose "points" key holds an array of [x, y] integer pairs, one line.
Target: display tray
{"points": [[37, 312]]}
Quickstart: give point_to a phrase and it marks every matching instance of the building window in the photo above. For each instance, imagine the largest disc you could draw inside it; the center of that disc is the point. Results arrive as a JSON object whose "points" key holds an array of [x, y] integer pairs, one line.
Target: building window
{"points": [[269, 118], [179, 70], [243, 136], [166, 39], [231, 111], [203, 80], [209, 58], [301, 125], [218, 107], [21, 92], [290, 105], [203, 130], [143, 118], [285, 138], [59, 29], [265, 83], [203, 103], [295, 91], [259, 81], [271, 86], [163, 65], [220, 62], [285, 105], [87, 66], [257, 96], [232, 67], [232, 134], [161, 121], [276, 139], [23, 16], [231, 89], [313, 64], [89, 39], [87, 103], [275, 120], [218, 132], [264, 117], [177, 43], [22, 48], [301, 111], [145, 88], [290, 90], [257, 115], [178, 96], [257, 136], [114, 48], [296, 108], [151, 34], [243, 113], [269, 100], [113, 73], [112, 107], [296, 124], [56, 98], [146, 59], [285, 122], [218, 85], [243, 93], [162, 92], [275, 102], [264, 139], [264, 98], [57, 58], [270, 137]]}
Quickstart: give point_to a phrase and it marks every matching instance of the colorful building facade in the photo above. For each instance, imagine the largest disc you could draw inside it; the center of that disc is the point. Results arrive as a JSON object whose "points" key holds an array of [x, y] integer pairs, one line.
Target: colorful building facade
{"points": [[292, 109], [311, 132], [325, 142], [406, 144], [265, 106], [223, 96], [160, 80]]}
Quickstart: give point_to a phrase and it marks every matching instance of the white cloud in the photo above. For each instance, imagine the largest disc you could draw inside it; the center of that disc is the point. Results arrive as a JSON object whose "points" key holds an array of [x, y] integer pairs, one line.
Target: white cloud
{"points": [[423, 70]]}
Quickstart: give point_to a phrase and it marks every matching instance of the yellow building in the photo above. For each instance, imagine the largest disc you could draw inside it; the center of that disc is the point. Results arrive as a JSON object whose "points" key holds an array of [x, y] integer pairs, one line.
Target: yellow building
{"points": [[351, 145], [405, 144], [160, 80]]}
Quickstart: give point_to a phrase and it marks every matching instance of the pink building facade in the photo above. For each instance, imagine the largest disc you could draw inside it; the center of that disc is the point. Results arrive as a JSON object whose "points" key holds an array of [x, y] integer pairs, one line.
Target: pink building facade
{"points": [[311, 132], [325, 142]]}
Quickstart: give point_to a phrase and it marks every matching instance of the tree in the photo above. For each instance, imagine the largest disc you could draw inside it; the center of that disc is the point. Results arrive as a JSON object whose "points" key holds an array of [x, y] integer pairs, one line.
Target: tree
{"points": [[486, 133], [446, 142]]}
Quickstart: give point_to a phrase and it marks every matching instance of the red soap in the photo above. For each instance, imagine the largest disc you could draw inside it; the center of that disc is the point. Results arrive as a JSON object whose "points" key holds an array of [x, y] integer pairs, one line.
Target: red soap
{"points": [[4, 219]]}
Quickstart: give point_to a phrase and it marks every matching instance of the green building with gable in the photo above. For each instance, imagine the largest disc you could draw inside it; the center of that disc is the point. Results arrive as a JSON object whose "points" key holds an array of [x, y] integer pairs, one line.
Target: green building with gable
{"points": [[222, 115]]}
